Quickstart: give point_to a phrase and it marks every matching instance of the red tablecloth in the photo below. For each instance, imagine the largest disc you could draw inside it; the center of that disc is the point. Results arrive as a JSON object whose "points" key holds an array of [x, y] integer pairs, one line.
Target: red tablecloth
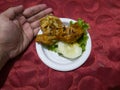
{"points": [[102, 69]]}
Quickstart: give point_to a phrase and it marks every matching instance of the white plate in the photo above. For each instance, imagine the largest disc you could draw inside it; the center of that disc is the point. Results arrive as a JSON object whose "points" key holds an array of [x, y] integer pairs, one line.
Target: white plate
{"points": [[56, 62]]}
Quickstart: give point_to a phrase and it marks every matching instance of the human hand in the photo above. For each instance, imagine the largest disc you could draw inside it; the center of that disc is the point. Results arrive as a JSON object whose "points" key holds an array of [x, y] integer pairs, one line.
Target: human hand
{"points": [[19, 26]]}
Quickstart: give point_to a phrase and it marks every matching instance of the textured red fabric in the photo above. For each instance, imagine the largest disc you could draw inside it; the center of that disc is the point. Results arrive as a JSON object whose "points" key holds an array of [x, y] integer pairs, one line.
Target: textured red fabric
{"points": [[102, 69]]}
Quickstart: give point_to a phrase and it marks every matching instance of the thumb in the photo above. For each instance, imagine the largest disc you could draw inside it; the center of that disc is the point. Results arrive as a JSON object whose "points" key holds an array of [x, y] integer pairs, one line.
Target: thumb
{"points": [[12, 12]]}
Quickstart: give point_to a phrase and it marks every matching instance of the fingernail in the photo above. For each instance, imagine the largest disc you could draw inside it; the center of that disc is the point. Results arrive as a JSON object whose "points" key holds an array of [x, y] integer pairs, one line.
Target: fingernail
{"points": [[50, 9], [20, 6], [44, 5]]}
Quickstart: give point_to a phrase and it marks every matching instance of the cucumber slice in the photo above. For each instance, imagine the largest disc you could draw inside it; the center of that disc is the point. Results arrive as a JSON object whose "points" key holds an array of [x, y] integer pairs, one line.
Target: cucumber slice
{"points": [[70, 51]]}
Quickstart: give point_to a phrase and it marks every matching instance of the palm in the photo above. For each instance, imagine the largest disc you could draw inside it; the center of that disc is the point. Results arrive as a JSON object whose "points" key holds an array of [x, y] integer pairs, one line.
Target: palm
{"points": [[27, 32], [25, 35], [21, 28]]}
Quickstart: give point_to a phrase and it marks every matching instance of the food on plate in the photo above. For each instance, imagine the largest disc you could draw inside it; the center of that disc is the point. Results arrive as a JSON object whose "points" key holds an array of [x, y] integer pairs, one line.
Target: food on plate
{"points": [[67, 40], [69, 50], [51, 27]]}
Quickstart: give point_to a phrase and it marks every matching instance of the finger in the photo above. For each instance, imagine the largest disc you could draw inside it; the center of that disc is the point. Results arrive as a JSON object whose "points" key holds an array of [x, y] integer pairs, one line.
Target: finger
{"points": [[36, 30], [28, 31], [35, 24], [13, 11], [21, 19], [33, 10], [40, 15]]}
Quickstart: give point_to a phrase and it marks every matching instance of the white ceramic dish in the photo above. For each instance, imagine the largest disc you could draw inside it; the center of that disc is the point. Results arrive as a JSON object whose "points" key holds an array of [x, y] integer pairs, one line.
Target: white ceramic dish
{"points": [[56, 62]]}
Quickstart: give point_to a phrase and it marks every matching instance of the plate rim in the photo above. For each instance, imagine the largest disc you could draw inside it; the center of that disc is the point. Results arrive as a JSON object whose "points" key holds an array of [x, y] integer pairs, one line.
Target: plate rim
{"points": [[70, 67]]}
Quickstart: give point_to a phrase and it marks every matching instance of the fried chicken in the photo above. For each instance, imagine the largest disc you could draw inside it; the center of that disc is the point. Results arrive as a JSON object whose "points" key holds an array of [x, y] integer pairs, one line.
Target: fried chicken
{"points": [[54, 30]]}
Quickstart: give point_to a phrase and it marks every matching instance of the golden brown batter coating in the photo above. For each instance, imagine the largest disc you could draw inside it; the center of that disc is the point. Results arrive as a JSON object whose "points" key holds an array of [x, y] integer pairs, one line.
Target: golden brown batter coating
{"points": [[46, 39], [54, 30]]}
